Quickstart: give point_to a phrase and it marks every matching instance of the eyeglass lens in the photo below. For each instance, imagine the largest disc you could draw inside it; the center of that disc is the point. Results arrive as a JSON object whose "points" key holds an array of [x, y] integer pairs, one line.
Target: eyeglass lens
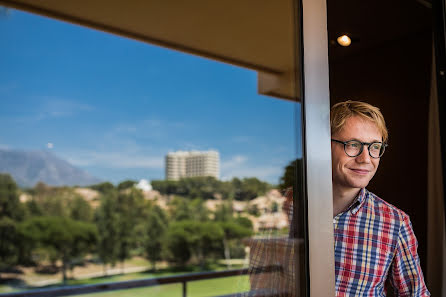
{"points": [[354, 148]]}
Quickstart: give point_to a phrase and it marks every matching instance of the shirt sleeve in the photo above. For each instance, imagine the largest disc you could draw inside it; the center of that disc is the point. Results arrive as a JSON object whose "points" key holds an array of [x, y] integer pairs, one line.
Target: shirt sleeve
{"points": [[406, 276]]}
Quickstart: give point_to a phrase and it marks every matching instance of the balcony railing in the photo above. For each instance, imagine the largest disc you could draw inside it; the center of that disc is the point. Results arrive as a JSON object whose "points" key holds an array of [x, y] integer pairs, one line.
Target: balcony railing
{"points": [[103, 287]]}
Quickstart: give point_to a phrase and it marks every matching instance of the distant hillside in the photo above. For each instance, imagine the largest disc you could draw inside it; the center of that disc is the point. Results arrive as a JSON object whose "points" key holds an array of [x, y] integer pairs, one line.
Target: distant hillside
{"points": [[29, 167]]}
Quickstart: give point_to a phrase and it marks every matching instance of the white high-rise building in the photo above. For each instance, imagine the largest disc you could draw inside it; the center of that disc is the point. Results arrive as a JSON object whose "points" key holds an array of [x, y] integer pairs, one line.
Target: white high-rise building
{"points": [[192, 163]]}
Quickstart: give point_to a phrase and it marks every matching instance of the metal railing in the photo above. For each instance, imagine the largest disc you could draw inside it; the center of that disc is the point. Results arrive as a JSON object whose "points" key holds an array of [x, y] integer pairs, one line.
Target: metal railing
{"points": [[150, 282]]}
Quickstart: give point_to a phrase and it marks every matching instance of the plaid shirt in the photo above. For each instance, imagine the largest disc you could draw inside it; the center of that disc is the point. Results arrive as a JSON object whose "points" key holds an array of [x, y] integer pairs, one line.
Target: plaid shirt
{"points": [[374, 241]]}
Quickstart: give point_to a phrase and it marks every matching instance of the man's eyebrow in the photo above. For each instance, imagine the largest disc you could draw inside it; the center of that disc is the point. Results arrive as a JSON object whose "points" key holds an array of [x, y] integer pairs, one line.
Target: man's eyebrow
{"points": [[374, 140]]}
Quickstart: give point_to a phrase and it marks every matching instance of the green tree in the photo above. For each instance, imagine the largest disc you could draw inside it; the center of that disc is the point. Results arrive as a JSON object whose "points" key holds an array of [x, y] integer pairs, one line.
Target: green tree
{"points": [[63, 238], [81, 210], [237, 186], [127, 184], [234, 228], [200, 187], [244, 222], [205, 239], [41, 189], [249, 188], [226, 189], [10, 205], [55, 205], [33, 208], [165, 187], [254, 210], [177, 247], [180, 209], [103, 187], [191, 238], [56, 201], [131, 213], [210, 188], [293, 178], [199, 211], [232, 231], [9, 241], [107, 222], [156, 226], [11, 213], [224, 212], [292, 175]]}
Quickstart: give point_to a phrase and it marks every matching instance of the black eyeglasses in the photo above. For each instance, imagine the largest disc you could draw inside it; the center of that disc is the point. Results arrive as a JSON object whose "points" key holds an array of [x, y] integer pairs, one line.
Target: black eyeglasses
{"points": [[354, 148]]}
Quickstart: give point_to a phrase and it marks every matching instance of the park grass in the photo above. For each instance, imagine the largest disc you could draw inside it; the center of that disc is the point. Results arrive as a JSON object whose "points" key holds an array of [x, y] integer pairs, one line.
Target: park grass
{"points": [[7, 289], [149, 274], [202, 288], [212, 287]]}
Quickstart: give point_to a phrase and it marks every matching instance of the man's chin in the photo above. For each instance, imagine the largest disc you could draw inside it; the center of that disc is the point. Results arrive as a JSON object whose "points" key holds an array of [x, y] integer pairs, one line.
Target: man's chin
{"points": [[359, 183]]}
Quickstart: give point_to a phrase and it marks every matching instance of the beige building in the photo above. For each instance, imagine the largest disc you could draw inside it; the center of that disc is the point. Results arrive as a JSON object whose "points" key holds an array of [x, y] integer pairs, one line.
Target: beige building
{"points": [[192, 164]]}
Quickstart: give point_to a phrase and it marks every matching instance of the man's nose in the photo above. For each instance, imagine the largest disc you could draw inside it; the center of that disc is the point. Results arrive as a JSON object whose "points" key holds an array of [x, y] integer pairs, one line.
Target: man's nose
{"points": [[364, 157]]}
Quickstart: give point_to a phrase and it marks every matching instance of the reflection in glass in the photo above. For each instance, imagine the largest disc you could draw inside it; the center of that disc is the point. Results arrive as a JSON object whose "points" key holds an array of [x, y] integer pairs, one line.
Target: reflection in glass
{"points": [[277, 265]]}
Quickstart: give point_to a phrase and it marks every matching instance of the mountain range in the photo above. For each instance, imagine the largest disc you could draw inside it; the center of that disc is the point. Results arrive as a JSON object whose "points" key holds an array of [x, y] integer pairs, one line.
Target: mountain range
{"points": [[30, 167]]}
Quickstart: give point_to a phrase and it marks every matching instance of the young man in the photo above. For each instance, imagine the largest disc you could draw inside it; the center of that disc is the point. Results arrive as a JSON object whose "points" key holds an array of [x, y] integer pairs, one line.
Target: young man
{"points": [[374, 240]]}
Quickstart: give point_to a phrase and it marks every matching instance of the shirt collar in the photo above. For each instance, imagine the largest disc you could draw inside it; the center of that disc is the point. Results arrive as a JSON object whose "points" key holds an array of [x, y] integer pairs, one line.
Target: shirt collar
{"points": [[359, 201]]}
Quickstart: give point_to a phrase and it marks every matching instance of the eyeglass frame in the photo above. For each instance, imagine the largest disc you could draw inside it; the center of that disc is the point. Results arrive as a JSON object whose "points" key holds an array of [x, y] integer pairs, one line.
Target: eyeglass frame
{"points": [[369, 144]]}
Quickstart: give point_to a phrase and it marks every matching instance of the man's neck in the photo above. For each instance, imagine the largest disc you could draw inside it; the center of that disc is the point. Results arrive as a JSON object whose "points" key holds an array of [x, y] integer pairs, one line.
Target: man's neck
{"points": [[343, 198]]}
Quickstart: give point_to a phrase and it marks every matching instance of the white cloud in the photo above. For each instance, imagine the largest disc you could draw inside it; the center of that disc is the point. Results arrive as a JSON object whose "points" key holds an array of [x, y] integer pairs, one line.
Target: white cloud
{"points": [[149, 128], [267, 173], [233, 163], [238, 166], [116, 160], [127, 145], [54, 107], [188, 146], [50, 145]]}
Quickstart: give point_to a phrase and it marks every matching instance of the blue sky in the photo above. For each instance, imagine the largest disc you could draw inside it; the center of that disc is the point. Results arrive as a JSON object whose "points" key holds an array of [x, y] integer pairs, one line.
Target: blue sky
{"points": [[115, 106]]}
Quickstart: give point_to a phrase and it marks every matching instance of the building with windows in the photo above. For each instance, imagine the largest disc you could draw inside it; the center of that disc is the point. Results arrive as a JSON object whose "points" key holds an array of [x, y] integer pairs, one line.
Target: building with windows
{"points": [[192, 164]]}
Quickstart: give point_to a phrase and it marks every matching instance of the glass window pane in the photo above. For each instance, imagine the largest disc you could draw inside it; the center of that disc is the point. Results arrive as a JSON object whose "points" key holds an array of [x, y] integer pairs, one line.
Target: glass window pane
{"points": [[122, 160]]}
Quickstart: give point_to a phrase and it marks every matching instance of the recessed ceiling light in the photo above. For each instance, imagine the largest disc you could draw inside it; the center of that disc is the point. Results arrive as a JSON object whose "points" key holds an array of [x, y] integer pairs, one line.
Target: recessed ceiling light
{"points": [[344, 40]]}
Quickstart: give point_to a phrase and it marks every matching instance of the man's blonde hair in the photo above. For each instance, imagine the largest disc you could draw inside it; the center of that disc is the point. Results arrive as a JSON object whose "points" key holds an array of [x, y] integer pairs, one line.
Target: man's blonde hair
{"points": [[341, 111]]}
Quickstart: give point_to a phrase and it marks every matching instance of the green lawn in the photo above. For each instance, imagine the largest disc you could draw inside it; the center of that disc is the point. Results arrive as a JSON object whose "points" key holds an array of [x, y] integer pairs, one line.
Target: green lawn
{"points": [[212, 287], [118, 278], [7, 289], [139, 275], [204, 288]]}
